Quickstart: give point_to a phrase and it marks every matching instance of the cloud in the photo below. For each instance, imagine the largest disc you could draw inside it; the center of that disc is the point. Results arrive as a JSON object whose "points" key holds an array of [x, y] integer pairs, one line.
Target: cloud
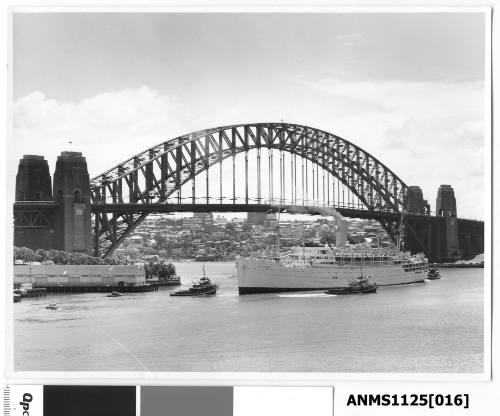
{"points": [[393, 95], [115, 125], [429, 133]]}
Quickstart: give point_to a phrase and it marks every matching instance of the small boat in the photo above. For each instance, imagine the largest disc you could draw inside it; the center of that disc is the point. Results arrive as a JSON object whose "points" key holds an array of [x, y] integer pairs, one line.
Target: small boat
{"points": [[173, 281], [17, 297], [360, 285], [114, 294], [202, 288], [433, 273], [52, 306]]}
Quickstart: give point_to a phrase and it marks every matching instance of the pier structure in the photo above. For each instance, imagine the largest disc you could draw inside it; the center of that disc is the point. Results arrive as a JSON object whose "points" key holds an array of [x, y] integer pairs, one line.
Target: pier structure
{"points": [[34, 292], [146, 287], [59, 220], [82, 278], [277, 166], [72, 225], [34, 223], [446, 207]]}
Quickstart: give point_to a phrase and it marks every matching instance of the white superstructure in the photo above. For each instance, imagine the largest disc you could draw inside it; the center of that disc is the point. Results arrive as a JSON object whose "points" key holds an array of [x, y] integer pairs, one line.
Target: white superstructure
{"points": [[314, 267]]}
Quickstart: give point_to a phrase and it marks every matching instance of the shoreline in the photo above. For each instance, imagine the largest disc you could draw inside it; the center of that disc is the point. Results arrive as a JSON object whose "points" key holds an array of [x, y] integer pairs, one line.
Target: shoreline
{"points": [[461, 265]]}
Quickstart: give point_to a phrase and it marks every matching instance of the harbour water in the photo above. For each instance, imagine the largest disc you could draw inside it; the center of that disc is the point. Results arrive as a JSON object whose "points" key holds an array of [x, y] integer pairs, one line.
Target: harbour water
{"points": [[432, 327]]}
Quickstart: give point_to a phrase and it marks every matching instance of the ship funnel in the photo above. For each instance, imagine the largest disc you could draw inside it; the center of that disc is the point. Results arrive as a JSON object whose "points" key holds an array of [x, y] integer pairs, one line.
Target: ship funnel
{"points": [[340, 232]]}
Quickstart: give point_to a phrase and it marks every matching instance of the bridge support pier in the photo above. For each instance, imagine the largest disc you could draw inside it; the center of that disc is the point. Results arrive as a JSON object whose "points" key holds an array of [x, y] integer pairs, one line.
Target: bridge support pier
{"points": [[439, 237], [72, 227], [61, 221], [34, 221]]}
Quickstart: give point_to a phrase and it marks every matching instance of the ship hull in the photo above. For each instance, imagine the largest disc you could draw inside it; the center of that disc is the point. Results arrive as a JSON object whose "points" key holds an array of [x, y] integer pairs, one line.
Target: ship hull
{"points": [[255, 276]]}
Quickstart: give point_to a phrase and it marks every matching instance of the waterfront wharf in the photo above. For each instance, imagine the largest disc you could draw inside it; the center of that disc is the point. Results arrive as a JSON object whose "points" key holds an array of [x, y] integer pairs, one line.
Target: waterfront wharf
{"points": [[36, 292], [168, 283], [102, 289]]}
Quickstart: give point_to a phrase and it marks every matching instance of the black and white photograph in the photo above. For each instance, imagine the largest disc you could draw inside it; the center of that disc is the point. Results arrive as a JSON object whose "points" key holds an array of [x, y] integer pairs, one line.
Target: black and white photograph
{"points": [[303, 192]]}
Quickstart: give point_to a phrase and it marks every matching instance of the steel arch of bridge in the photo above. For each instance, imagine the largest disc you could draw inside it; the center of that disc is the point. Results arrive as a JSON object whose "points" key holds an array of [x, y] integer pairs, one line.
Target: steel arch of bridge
{"points": [[179, 160]]}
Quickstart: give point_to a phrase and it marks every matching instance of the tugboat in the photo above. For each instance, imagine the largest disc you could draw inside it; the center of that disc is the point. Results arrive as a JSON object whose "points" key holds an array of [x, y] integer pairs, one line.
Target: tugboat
{"points": [[433, 273], [202, 288], [360, 285], [52, 306]]}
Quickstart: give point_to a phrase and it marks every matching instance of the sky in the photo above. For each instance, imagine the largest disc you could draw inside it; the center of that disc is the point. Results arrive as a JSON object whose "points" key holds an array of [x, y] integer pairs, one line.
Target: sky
{"points": [[407, 88]]}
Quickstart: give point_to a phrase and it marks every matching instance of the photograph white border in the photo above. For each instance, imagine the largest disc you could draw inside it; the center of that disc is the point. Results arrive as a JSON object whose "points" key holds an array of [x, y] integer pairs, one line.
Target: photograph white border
{"points": [[225, 378]]}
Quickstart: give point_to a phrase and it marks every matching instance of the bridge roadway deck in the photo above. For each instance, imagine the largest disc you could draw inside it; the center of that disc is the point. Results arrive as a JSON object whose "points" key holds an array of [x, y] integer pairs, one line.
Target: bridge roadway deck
{"points": [[296, 209], [170, 208]]}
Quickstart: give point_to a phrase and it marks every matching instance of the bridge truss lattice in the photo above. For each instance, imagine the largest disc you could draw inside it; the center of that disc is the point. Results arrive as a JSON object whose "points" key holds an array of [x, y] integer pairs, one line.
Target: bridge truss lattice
{"points": [[161, 174]]}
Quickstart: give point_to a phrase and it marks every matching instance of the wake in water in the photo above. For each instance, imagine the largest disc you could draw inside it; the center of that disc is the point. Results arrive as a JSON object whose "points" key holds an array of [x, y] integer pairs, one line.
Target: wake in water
{"points": [[306, 295]]}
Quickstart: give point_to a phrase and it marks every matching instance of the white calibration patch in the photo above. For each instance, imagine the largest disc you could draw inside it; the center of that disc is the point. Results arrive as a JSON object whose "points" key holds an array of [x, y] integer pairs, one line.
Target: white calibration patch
{"points": [[23, 400]]}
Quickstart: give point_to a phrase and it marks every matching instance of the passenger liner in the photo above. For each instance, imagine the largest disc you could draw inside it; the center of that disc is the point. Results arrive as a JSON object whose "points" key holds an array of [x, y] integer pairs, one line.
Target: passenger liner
{"points": [[315, 267]]}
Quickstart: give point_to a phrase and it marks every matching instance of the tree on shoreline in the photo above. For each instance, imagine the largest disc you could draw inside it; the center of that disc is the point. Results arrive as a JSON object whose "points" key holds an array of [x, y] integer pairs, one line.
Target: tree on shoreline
{"points": [[27, 255], [161, 270]]}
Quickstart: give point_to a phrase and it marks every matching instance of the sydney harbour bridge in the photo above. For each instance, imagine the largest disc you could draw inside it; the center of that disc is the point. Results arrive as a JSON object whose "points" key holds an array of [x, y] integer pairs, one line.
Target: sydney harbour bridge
{"points": [[262, 167]]}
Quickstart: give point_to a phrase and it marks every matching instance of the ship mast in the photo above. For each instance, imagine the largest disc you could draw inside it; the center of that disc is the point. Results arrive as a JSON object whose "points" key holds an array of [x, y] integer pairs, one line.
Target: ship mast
{"points": [[277, 247], [400, 235], [303, 245]]}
